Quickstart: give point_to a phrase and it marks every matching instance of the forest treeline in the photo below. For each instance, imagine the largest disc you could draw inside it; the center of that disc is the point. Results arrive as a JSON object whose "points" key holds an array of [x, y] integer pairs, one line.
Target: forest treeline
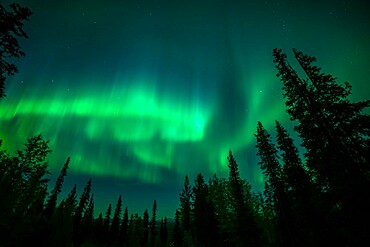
{"points": [[316, 197], [319, 200]]}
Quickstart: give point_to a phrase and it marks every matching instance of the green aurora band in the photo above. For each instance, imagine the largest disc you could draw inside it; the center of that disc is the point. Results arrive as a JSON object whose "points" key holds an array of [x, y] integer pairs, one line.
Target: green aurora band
{"points": [[149, 126]]}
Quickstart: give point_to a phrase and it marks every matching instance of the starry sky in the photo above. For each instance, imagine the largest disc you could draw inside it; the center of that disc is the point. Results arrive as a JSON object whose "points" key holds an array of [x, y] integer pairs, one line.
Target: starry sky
{"points": [[140, 93]]}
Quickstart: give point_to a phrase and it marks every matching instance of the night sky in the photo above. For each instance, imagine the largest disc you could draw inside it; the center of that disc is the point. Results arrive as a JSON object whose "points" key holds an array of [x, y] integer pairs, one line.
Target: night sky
{"points": [[140, 93]]}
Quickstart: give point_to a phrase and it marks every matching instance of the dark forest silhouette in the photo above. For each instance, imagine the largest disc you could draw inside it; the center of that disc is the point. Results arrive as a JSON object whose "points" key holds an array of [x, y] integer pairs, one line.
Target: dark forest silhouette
{"points": [[321, 200]]}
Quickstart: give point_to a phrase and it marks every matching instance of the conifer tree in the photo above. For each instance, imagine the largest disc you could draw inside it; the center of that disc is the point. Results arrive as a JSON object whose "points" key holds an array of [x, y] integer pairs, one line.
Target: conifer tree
{"points": [[31, 169], [62, 221], [145, 236], [153, 224], [136, 229], [82, 205], [185, 211], [84, 200], [23, 186], [301, 192], [219, 195], [335, 134], [107, 219], [275, 190], [71, 201], [200, 207], [163, 232], [11, 28], [98, 229], [106, 225], [245, 230], [88, 221], [116, 221], [52, 200], [124, 229], [89, 213], [177, 233], [185, 204]]}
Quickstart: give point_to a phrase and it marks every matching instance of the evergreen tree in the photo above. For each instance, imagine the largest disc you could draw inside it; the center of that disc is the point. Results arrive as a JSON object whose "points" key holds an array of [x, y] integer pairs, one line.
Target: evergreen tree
{"points": [[205, 224], [185, 210], [130, 230], [200, 207], [275, 188], [32, 169], [177, 233], [301, 192], [61, 226], [245, 230], [136, 230], [11, 28], [84, 200], [145, 236], [52, 200], [219, 195], [82, 205], [335, 134], [98, 229], [70, 204], [88, 221], [23, 186], [185, 204], [106, 225], [124, 229], [163, 232], [116, 221], [89, 213], [153, 224]]}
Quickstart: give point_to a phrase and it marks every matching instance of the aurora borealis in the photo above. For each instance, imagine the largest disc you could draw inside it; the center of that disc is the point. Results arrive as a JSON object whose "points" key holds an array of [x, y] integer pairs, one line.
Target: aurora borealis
{"points": [[140, 93]]}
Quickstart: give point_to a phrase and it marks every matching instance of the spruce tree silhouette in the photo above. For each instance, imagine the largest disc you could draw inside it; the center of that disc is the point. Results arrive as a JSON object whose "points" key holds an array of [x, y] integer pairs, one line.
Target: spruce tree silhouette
{"points": [[153, 223], [23, 191], [52, 200], [145, 236], [246, 231], [185, 211], [163, 232], [335, 135], [219, 194], [177, 238], [200, 220], [80, 210], [11, 28], [106, 225], [123, 235], [87, 222], [114, 229]]}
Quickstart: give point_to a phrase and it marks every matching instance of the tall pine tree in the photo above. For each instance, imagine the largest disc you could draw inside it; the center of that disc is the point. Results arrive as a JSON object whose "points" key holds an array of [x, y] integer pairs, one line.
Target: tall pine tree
{"points": [[185, 211], [114, 229], [145, 236], [52, 200], [335, 133], [245, 230], [153, 223], [82, 205], [200, 207], [123, 236]]}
